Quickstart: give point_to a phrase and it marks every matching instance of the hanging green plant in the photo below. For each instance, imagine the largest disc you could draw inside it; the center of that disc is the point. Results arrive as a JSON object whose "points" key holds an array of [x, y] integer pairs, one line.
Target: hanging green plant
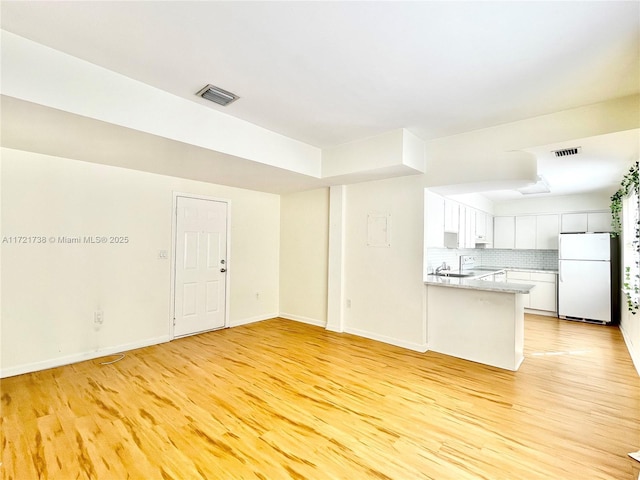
{"points": [[628, 186]]}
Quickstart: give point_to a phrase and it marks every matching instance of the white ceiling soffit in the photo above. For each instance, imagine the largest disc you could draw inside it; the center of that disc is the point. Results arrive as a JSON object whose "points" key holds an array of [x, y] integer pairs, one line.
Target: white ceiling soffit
{"points": [[328, 73], [32, 127], [598, 167], [36, 128]]}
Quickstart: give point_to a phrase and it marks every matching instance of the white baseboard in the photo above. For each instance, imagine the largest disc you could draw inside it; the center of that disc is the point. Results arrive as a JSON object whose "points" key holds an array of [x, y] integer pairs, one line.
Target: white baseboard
{"points": [[259, 318], [79, 357], [635, 356], [545, 313], [416, 347], [307, 320]]}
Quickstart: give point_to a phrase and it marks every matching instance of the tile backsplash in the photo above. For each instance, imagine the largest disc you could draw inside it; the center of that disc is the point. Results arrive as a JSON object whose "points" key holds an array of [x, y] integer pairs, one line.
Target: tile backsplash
{"points": [[494, 257]]}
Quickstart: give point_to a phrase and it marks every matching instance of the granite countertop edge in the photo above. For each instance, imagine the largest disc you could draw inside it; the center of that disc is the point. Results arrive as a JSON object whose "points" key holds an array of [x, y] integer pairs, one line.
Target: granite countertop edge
{"points": [[474, 284]]}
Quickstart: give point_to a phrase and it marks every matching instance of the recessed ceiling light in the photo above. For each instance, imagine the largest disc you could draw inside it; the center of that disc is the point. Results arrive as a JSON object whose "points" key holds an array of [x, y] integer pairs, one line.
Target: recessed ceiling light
{"points": [[217, 95]]}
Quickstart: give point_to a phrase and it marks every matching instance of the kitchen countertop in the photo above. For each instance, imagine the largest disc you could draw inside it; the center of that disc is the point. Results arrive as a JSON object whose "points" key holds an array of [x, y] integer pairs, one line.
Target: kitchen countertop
{"points": [[518, 269], [475, 284]]}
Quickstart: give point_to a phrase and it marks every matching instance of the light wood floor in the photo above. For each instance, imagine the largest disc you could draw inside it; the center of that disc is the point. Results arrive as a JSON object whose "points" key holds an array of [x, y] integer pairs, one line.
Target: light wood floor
{"points": [[280, 400]]}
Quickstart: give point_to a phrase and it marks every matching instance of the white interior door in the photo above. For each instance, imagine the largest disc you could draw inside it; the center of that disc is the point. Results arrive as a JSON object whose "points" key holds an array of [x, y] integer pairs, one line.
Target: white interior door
{"points": [[200, 266]]}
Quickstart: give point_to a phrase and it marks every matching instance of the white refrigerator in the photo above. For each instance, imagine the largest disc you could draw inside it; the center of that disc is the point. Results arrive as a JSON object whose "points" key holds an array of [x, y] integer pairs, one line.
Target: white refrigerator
{"points": [[587, 277]]}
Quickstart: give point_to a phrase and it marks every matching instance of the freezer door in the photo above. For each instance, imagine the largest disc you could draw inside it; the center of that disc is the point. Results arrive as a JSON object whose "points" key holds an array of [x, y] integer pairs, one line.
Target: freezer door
{"points": [[584, 290], [584, 246]]}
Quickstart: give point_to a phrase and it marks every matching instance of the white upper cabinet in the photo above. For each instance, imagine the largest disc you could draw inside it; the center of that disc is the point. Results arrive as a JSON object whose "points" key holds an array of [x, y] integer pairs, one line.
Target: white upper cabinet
{"points": [[599, 222], [586, 222], [574, 222], [449, 224], [527, 232], [547, 231], [481, 225], [451, 216], [504, 232], [489, 221], [525, 235], [470, 233]]}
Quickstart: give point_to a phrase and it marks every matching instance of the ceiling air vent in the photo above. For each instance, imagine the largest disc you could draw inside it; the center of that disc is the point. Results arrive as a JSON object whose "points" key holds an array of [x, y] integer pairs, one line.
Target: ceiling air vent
{"points": [[565, 152], [217, 95]]}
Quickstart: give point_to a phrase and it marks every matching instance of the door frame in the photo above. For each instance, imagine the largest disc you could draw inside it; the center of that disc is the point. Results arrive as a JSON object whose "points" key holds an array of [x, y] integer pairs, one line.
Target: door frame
{"points": [[174, 233]]}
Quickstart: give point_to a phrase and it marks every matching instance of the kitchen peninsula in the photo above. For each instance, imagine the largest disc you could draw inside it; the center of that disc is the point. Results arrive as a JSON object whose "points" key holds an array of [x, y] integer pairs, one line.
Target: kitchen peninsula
{"points": [[476, 320]]}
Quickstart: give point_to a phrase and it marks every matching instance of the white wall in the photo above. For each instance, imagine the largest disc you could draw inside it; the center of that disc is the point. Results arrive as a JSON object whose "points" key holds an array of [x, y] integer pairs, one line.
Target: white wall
{"points": [[304, 247], [629, 323], [630, 327], [50, 291], [384, 284], [559, 204]]}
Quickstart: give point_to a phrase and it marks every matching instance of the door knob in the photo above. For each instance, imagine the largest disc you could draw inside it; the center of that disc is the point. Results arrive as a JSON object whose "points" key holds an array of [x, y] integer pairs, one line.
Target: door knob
{"points": [[223, 270]]}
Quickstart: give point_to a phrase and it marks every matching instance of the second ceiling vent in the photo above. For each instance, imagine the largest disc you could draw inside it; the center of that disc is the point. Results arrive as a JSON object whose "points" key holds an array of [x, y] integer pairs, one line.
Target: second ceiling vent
{"points": [[217, 95]]}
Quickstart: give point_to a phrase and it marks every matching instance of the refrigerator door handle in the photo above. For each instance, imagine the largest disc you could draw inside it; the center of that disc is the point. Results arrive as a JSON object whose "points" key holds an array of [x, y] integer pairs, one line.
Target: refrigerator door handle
{"points": [[560, 246], [560, 271]]}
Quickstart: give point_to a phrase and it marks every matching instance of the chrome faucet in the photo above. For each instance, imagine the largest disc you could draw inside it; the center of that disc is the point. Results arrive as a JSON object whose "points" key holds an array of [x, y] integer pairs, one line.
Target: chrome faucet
{"points": [[442, 267]]}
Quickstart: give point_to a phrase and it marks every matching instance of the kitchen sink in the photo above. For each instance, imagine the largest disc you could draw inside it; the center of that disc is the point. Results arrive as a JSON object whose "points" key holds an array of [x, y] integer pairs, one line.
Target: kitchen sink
{"points": [[454, 274]]}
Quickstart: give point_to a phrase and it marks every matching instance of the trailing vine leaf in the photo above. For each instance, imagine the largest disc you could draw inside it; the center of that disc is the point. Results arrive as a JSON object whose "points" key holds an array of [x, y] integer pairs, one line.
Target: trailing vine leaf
{"points": [[628, 186]]}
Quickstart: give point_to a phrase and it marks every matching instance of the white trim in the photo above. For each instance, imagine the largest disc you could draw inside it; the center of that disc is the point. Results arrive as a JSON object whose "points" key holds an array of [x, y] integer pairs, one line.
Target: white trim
{"points": [[416, 347], [335, 266], [545, 313], [635, 357], [301, 319], [259, 318], [174, 232], [80, 357]]}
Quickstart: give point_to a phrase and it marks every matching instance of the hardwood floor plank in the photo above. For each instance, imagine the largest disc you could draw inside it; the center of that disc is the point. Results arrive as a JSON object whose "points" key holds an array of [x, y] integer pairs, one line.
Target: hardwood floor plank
{"points": [[281, 400]]}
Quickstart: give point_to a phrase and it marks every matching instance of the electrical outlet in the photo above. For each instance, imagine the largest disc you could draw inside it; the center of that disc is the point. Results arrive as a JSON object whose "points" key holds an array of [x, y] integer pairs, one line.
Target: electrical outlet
{"points": [[257, 295], [348, 303], [98, 317]]}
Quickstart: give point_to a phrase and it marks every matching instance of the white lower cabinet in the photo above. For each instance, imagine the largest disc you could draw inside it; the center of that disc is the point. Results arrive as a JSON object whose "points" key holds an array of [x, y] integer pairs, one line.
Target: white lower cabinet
{"points": [[543, 298]]}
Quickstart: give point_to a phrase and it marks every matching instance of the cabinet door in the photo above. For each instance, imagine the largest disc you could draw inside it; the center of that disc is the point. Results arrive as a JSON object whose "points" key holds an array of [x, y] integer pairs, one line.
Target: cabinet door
{"points": [[543, 296], [470, 228], [481, 225], [451, 216], [489, 231], [574, 222], [434, 221], [526, 232], [547, 231], [599, 221], [462, 227], [514, 276], [504, 232]]}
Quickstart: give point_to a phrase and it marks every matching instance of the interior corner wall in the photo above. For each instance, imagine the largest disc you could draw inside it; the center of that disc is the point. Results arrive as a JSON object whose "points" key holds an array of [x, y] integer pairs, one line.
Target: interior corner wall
{"points": [[304, 252], [51, 290], [383, 286]]}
